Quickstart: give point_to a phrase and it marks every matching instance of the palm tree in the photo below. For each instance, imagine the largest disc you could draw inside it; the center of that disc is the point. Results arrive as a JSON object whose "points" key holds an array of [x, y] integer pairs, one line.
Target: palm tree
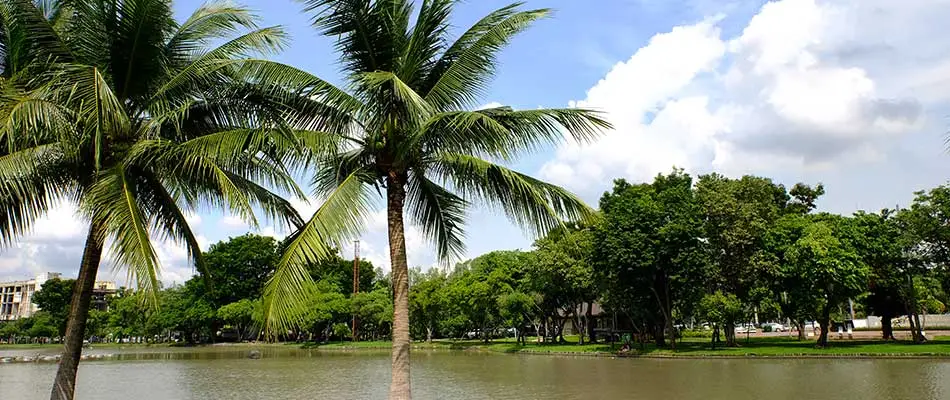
{"points": [[408, 125], [135, 118]]}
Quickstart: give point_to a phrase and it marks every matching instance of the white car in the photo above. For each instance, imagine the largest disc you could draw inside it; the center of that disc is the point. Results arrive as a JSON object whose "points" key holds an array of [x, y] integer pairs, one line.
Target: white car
{"points": [[745, 329], [775, 327]]}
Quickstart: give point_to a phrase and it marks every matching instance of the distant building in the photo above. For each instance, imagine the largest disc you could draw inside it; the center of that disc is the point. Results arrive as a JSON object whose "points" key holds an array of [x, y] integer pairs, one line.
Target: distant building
{"points": [[101, 293], [16, 297]]}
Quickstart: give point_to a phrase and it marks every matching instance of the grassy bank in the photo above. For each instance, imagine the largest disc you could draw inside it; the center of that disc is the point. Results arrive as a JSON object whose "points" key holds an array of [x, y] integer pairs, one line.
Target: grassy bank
{"points": [[27, 346], [689, 347]]}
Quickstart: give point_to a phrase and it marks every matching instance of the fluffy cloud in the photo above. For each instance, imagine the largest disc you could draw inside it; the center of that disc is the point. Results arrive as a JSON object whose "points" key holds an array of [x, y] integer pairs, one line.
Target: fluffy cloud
{"points": [[807, 85]]}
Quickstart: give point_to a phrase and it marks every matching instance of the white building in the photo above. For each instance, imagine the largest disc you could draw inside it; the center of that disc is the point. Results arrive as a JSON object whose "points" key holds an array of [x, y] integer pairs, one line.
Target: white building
{"points": [[16, 296]]}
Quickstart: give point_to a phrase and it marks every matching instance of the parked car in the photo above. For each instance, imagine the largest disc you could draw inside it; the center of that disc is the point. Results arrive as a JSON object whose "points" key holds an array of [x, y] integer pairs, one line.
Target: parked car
{"points": [[745, 329], [774, 327], [475, 334]]}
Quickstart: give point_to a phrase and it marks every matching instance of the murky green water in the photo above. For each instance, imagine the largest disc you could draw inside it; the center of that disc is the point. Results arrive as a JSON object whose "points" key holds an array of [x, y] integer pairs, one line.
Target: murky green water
{"points": [[225, 373]]}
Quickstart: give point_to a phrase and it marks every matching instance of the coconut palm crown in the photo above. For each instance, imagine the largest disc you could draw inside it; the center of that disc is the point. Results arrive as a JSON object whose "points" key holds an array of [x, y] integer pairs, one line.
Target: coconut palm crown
{"points": [[410, 130], [136, 118]]}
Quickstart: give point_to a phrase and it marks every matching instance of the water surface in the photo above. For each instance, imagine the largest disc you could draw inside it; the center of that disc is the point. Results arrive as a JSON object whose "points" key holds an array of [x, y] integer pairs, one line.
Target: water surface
{"points": [[226, 373]]}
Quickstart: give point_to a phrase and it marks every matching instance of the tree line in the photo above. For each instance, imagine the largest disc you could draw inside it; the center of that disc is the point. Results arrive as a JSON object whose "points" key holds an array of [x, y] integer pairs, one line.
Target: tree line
{"points": [[660, 256], [224, 302], [675, 252], [137, 117]]}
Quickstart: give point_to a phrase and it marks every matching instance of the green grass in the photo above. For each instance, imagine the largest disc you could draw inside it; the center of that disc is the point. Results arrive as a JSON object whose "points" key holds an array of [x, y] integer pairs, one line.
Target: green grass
{"points": [[689, 347], [27, 346]]}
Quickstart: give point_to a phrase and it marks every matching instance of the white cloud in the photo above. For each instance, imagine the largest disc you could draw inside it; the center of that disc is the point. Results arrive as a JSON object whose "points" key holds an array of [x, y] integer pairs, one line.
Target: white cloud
{"points": [[806, 85], [193, 219], [60, 223], [232, 222]]}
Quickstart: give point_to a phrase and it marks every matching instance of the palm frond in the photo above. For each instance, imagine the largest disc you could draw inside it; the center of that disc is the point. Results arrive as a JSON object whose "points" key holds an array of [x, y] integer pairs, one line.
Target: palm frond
{"points": [[31, 182], [439, 213], [370, 34], [167, 217], [205, 70], [461, 77], [211, 21], [529, 202], [28, 39], [137, 38], [426, 40], [341, 216], [409, 105], [504, 133], [112, 203]]}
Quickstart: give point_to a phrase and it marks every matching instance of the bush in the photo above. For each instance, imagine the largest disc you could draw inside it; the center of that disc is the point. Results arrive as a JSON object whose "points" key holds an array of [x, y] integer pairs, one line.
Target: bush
{"points": [[697, 333]]}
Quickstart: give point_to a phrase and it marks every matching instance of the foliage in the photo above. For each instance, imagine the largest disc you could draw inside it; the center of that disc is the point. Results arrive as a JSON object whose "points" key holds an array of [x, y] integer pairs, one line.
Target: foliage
{"points": [[240, 315], [650, 256], [54, 298], [237, 268]]}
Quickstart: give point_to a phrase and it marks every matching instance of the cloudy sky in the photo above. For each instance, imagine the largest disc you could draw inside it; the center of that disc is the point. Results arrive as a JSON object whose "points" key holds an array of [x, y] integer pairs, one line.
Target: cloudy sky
{"points": [[850, 93]]}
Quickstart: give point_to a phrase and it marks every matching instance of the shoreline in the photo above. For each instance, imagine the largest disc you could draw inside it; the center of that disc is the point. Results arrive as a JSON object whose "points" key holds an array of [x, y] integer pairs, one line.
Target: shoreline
{"points": [[763, 348]]}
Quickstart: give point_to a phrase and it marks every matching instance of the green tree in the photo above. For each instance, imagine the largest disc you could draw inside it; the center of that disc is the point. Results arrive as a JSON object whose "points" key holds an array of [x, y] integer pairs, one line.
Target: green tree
{"points": [[410, 128], [650, 250], [718, 309], [375, 312], [128, 315], [927, 226], [519, 309], [563, 274], [134, 117], [825, 258], [791, 290], [737, 214], [236, 269], [340, 271], [427, 301], [883, 246], [327, 305], [240, 315], [53, 297], [43, 326]]}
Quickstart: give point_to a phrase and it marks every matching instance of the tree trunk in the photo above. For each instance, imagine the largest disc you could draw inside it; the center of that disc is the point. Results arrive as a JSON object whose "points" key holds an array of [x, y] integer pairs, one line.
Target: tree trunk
{"points": [[591, 334], [400, 387], [824, 323], [429, 334], [65, 384], [887, 327], [560, 331], [715, 336], [579, 323], [730, 332], [801, 330], [919, 329]]}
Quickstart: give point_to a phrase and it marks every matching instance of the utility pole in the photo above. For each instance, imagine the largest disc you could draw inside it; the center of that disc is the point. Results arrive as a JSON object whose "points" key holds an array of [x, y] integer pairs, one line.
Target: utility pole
{"points": [[356, 283]]}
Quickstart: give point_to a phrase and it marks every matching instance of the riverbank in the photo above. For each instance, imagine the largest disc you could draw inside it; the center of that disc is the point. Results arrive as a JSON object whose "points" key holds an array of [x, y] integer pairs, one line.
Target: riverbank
{"points": [[772, 347], [755, 347]]}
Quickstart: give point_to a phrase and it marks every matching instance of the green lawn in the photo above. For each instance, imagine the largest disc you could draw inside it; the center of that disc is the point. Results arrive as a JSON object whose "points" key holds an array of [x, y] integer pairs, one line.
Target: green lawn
{"points": [[688, 347], [691, 347]]}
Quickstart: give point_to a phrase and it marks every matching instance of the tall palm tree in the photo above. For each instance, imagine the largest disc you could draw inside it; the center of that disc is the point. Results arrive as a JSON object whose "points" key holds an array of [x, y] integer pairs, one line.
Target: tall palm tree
{"points": [[409, 126], [116, 107]]}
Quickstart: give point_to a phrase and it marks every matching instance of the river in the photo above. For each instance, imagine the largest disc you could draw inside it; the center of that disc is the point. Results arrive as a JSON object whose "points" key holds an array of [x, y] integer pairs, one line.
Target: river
{"points": [[226, 373]]}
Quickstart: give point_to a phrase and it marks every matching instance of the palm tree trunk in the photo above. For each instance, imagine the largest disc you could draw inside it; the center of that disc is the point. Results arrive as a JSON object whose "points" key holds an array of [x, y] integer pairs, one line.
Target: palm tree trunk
{"points": [[399, 388], [65, 384]]}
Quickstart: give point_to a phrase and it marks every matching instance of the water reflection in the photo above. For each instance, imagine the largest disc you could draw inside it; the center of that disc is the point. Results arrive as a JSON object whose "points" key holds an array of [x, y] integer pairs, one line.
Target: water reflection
{"points": [[299, 374]]}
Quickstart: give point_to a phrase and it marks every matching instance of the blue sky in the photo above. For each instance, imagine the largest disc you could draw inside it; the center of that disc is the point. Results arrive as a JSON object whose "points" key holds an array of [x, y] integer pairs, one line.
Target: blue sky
{"points": [[851, 93]]}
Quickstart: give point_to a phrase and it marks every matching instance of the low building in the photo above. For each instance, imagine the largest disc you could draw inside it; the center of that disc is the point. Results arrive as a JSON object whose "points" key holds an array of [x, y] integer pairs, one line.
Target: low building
{"points": [[16, 296], [101, 293]]}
